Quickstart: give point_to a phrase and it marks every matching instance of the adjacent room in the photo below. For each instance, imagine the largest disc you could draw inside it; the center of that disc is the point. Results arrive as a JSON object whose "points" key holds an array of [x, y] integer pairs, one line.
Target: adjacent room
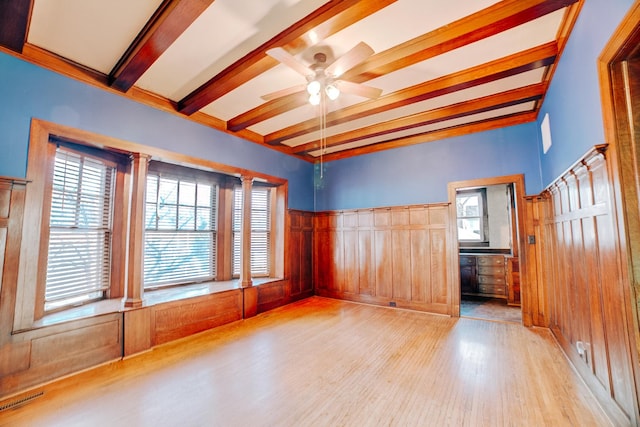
{"points": [[319, 212]]}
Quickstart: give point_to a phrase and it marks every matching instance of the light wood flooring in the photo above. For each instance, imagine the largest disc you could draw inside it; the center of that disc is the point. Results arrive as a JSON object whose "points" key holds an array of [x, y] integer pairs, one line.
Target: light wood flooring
{"points": [[489, 309], [324, 362]]}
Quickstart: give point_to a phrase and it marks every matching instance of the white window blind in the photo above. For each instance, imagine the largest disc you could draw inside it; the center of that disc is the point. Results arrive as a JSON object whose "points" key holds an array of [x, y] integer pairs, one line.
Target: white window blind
{"points": [[260, 231], [180, 231], [78, 261]]}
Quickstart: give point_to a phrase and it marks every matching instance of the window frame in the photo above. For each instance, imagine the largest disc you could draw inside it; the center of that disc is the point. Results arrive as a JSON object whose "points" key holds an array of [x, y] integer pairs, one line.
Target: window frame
{"points": [[118, 239], [111, 163], [483, 217]]}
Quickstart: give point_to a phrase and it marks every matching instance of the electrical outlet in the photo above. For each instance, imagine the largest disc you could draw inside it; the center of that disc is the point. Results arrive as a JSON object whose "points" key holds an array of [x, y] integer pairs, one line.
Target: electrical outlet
{"points": [[532, 239], [583, 349], [392, 303]]}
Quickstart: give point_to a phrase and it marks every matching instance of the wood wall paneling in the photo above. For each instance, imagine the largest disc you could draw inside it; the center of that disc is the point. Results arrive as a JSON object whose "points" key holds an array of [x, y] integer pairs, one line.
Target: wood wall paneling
{"points": [[395, 255], [299, 255], [182, 318], [55, 351], [577, 261], [137, 331]]}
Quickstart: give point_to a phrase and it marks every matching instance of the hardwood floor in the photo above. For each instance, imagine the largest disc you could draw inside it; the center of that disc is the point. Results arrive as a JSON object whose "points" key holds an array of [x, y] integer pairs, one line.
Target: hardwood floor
{"points": [[489, 309], [324, 362]]}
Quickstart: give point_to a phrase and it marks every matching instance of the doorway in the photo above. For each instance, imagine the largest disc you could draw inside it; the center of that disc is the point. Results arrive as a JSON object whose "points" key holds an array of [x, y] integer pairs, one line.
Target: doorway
{"points": [[488, 234]]}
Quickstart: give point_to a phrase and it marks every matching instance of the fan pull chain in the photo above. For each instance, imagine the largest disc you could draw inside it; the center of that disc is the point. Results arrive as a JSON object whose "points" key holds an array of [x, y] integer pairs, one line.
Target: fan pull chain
{"points": [[323, 126]]}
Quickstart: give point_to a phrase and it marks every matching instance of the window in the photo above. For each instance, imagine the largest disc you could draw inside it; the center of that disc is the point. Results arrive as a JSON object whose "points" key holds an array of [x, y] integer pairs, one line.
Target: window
{"points": [[180, 230], [471, 216], [78, 260], [260, 231], [81, 221]]}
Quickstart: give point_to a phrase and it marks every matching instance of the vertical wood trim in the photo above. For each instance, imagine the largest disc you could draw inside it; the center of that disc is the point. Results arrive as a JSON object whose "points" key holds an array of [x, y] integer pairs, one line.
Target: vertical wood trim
{"points": [[622, 175], [135, 276], [30, 260], [10, 240], [224, 235], [245, 250], [120, 231], [280, 230], [47, 180]]}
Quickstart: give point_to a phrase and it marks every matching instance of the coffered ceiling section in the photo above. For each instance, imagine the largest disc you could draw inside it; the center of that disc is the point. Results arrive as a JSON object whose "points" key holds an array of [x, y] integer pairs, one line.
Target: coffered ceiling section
{"points": [[406, 71]]}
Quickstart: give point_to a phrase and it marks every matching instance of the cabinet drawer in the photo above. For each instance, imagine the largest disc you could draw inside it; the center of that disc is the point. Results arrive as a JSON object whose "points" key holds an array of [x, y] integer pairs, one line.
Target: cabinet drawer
{"points": [[490, 270], [497, 260], [467, 260], [492, 280], [492, 289]]}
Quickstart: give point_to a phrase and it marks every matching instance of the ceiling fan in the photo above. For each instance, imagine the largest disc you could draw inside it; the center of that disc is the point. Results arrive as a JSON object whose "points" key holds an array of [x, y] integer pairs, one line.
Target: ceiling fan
{"points": [[322, 78]]}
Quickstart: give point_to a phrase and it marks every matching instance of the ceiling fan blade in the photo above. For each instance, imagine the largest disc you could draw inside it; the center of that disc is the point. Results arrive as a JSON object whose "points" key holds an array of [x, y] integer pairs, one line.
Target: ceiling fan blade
{"points": [[358, 89], [281, 55], [356, 55], [283, 92]]}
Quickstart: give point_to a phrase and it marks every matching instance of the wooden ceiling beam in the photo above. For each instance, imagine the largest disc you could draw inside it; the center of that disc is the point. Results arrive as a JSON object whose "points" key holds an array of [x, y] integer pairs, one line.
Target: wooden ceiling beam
{"points": [[500, 17], [268, 110], [169, 21], [462, 109], [325, 21], [465, 129], [495, 70], [493, 20], [14, 23]]}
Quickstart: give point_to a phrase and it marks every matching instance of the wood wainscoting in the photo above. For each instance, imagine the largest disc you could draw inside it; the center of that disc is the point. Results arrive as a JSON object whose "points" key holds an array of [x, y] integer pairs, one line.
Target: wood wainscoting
{"points": [[399, 256], [574, 268], [299, 254]]}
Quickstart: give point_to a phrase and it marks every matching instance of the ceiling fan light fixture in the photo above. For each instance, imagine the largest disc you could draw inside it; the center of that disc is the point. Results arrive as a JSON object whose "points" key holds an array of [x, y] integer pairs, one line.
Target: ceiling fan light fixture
{"points": [[314, 99], [332, 91], [313, 88]]}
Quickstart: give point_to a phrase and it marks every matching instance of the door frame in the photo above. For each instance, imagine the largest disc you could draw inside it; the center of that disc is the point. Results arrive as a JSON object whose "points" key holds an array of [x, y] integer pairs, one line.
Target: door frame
{"points": [[624, 171], [519, 239]]}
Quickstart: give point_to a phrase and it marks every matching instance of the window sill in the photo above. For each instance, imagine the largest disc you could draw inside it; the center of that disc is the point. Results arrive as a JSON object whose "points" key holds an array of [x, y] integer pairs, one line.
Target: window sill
{"points": [[150, 298]]}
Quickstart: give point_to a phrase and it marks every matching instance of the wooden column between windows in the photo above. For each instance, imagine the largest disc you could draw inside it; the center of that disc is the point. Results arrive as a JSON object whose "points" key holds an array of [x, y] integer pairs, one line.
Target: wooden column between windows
{"points": [[245, 250], [135, 276]]}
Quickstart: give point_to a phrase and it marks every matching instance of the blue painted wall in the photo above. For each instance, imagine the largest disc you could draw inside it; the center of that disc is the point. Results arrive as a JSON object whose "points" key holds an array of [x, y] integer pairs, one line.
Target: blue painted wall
{"points": [[29, 91], [420, 173], [573, 100]]}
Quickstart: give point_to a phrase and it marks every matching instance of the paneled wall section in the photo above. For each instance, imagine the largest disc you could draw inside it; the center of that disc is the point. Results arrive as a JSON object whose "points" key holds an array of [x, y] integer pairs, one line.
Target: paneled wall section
{"points": [[574, 269], [388, 256]]}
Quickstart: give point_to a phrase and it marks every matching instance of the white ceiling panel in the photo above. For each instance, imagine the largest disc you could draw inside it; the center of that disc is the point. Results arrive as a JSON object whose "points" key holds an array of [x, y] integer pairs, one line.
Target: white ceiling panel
{"points": [[93, 33]]}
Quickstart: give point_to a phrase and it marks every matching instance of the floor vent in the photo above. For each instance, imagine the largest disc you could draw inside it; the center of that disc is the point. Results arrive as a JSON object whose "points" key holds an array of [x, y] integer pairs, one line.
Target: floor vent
{"points": [[19, 401]]}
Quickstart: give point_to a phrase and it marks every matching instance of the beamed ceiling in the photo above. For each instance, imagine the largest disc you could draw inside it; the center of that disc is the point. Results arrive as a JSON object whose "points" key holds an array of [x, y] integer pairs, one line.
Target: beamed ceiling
{"points": [[444, 68]]}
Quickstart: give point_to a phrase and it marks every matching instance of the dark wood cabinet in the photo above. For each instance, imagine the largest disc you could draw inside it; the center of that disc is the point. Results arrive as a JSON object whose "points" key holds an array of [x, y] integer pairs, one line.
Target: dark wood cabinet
{"points": [[483, 275], [468, 275]]}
